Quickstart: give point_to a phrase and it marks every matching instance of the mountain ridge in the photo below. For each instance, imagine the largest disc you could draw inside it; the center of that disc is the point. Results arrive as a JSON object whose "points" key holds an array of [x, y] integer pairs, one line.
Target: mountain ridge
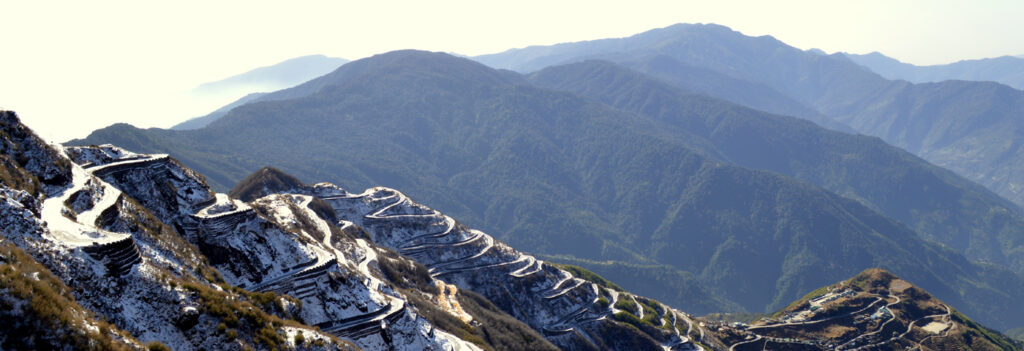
{"points": [[882, 177], [835, 86], [1005, 69]]}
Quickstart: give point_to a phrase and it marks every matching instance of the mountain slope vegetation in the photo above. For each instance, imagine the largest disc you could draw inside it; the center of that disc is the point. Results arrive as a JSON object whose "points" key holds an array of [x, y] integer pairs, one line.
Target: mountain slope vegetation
{"points": [[968, 127], [938, 204]]}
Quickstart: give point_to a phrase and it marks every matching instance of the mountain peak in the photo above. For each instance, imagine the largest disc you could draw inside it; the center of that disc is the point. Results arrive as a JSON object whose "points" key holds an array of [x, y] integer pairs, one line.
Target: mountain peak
{"points": [[408, 68], [436, 64], [267, 180], [874, 276], [696, 26]]}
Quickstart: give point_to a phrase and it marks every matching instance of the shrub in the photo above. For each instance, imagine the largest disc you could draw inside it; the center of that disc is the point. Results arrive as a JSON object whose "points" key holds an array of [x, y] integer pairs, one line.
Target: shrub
{"points": [[626, 304], [50, 313], [632, 320], [157, 346], [403, 272], [262, 182], [583, 273], [268, 336]]}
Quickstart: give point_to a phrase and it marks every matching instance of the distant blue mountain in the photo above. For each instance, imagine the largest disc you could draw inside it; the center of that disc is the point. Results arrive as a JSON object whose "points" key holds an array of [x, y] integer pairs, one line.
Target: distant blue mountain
{"points": [[247, 87], [970, 127], [199, 122], [1008, 70], [278, 76]]}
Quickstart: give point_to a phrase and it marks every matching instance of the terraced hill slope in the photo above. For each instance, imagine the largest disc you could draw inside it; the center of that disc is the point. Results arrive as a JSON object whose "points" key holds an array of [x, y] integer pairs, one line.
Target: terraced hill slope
{"points": [[282, 241], [874, 310], [571, 312], [276, 245]]}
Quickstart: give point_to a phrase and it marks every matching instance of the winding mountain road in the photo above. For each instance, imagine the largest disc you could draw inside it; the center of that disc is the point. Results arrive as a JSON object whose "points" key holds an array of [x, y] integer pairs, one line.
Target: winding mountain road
{"points": [[557, 301]]}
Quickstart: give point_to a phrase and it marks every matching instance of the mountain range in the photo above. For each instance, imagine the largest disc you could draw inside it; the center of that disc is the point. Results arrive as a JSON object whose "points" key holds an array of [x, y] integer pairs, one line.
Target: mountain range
{"points": [[1008, 70], [968, 127], [628, 185], [559, 174]]}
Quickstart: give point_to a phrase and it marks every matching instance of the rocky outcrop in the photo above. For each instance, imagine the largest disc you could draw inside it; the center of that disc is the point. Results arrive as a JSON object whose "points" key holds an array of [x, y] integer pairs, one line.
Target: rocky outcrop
{"points": [[23, 149]]}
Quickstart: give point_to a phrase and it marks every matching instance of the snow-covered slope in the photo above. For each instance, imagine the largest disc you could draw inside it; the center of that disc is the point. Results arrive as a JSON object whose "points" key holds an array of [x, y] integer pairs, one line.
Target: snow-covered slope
{"points": [[165, 187], [39, 312], [571, 312], [323, 246], [118, 260], [278, 244], [375, 267]]}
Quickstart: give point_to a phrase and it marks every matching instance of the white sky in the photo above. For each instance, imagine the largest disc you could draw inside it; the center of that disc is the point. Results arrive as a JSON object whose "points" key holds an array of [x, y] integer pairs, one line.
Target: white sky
{"points": [[71, 67]]}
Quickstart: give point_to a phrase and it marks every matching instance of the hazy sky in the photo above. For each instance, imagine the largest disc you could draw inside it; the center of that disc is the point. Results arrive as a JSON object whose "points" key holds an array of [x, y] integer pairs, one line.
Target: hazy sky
{"points": [[70, 67]]}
